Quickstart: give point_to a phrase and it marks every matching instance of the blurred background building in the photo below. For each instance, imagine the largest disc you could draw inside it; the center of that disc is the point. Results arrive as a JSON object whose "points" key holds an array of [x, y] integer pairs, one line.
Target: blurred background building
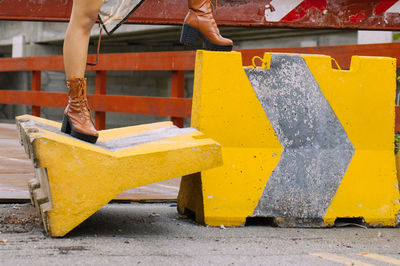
{"points": [[20, 39]]}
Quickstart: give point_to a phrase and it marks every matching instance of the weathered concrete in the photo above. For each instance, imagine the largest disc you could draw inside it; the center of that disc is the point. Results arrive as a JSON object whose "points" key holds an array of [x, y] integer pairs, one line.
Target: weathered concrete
{"points": [[154, 234], [74, 179], [16, 169], [316, 148], [302, 143]]}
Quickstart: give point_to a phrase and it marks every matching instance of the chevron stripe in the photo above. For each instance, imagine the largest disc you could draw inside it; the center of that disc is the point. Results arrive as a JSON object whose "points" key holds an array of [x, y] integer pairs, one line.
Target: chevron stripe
{"points": [[394, 9], [316, 148]]}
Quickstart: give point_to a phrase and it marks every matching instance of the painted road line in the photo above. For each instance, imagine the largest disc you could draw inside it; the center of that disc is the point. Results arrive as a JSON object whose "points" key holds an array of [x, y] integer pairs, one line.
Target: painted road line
{"points": [[382, 258], [339, 259]]}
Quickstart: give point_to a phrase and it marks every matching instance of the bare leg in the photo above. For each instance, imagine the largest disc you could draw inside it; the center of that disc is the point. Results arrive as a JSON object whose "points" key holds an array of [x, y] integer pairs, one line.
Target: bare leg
{"points": [[77, 119], [76, 42]]}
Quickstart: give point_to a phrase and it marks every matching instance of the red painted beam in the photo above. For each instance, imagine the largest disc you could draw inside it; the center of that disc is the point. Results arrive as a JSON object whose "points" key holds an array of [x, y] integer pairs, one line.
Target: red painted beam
{"points": [[128, 61], [36, 86], [338, 14], [176, 61], [178, 90], [101, 89], [160, 106]]}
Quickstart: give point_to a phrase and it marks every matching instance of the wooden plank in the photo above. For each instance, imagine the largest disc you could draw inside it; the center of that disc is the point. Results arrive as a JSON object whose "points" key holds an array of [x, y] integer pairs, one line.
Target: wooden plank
{"points": [[166, 190], [16, 170], [15, 166], [8, 131]]}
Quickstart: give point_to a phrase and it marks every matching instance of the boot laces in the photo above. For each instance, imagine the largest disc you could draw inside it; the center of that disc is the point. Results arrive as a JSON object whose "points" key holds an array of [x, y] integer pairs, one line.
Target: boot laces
{"points": [[83, 102]]}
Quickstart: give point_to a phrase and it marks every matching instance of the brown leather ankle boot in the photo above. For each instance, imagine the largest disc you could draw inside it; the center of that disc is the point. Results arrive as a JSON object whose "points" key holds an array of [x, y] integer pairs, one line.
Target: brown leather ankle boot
{"points": [[200, 23], [77, 117]]}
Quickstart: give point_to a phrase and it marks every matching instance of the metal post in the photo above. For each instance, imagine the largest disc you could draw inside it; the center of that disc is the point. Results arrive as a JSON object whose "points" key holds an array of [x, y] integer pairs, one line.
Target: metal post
{"points": [[101, 88], [36, 86], [178, 90]]}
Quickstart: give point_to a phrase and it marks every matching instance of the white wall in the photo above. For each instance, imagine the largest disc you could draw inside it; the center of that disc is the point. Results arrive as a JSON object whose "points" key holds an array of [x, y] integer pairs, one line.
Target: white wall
{"points": [[369, 36]]}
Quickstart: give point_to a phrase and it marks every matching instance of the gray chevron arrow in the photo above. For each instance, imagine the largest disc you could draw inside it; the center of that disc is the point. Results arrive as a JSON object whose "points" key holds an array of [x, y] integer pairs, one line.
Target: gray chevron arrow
{"points": [[316, 148]]}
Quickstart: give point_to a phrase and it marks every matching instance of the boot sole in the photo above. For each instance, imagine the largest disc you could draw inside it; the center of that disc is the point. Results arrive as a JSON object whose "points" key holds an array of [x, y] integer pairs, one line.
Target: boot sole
{"points": [[68, 128], [190, 35]]}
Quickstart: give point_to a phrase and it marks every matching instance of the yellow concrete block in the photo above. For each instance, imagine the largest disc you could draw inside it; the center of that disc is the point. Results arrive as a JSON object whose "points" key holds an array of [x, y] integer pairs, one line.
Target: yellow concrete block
{"points": [[225, 106], [301, 142], [74, 178], [363, 98]]}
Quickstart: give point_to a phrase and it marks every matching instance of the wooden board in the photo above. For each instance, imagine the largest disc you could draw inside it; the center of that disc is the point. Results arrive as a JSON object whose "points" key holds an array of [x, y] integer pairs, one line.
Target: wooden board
{"points": [[16, 170]]}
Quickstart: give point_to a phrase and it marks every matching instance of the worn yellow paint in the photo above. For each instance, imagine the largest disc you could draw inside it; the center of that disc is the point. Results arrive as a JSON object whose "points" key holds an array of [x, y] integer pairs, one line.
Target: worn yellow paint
{"points": [[226, 107], [363, 100], [83, 177], [116, 133]]}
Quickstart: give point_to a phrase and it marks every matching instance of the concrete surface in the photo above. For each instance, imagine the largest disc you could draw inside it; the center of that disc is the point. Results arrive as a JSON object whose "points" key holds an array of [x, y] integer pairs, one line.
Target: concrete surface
{"points": [[155, 234]]}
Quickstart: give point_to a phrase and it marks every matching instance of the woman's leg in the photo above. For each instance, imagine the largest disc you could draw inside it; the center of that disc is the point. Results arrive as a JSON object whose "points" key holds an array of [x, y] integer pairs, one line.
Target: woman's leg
{"points": [[76, 42], [77, 117]]}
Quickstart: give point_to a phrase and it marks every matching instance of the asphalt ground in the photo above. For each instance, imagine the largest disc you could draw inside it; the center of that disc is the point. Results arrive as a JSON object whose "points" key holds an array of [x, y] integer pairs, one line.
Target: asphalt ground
{"points": [[155, 234]]}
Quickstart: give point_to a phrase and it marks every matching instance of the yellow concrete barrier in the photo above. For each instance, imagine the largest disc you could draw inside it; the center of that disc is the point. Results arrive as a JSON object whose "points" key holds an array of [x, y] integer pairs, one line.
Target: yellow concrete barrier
{"points": [[74, 178], [301, 142]]}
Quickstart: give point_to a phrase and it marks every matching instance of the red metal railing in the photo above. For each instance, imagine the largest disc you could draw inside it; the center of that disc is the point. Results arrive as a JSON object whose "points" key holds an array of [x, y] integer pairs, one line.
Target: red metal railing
{"points": [[176, 106]]}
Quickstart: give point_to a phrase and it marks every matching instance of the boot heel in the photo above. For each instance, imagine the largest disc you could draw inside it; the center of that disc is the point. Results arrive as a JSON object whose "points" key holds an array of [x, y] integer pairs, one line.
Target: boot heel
{"points": [[189, 35], [66, 127], [209, 45]]}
